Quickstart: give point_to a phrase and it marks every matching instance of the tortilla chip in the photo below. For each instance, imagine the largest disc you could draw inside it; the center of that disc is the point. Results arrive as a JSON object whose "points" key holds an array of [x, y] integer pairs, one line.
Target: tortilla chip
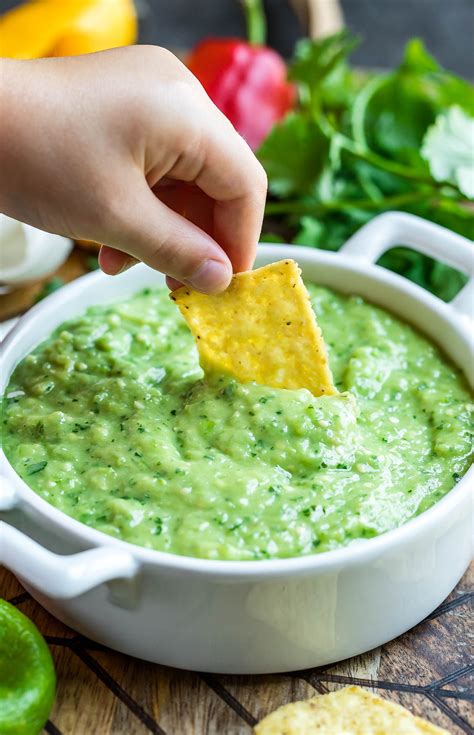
{"points": [[348, 711], [262, 329]]}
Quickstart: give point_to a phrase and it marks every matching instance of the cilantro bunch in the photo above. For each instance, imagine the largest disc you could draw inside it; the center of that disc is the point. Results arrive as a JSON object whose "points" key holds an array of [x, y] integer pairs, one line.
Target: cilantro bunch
{"points": [[363, 143]]}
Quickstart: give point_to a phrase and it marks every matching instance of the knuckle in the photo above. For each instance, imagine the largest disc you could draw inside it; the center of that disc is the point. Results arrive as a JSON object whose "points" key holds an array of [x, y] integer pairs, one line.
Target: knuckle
{"points": [[111, 209], [170, 65], [253, 173], [162, 249], [167, 256], [111, 215], [160, 252], [261, 178], [158, 53], [256, 181]]}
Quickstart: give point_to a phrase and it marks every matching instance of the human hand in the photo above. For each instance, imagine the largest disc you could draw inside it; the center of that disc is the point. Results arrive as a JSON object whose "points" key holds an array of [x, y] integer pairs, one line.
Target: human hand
{"points": [[115, 147]]}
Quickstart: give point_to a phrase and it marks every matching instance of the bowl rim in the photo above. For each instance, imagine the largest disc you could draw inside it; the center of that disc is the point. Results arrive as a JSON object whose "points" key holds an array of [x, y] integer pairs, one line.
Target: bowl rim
{"points": [[355, 553]]}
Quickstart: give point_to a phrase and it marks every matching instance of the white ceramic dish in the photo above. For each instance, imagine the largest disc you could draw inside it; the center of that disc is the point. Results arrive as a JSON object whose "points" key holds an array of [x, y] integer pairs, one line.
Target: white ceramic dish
{"points": [[262, 616]]}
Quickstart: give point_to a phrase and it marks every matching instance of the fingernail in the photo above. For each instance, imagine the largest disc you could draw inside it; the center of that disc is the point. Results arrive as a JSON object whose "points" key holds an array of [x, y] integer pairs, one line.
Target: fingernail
{"points": [[211, 276], [128, 264]]}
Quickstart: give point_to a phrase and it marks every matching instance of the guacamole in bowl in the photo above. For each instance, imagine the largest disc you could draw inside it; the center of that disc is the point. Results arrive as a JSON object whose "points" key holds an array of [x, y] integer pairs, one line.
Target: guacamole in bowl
{"points": [[112, 421]]}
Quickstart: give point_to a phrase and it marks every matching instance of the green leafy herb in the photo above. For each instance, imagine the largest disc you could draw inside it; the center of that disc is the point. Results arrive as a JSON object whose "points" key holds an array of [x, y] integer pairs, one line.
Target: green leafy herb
{"points": [[313, 62], [360, 144], [448, 146], [92, 262], [49, 287], [294, 156], [32, 469], [272, 237], [80, 427]]}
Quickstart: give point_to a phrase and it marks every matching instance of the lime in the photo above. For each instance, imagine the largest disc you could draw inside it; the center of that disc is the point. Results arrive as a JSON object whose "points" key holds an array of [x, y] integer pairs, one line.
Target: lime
{"points": [[27, 678]]}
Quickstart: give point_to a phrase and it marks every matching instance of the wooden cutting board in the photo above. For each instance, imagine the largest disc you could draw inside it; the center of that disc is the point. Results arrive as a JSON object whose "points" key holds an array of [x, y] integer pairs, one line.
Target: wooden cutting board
{"points": [[100, 692]]}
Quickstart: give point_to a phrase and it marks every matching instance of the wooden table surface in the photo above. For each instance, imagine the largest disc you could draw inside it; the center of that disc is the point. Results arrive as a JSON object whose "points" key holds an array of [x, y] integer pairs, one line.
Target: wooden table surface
{"points": [[100, 692]]}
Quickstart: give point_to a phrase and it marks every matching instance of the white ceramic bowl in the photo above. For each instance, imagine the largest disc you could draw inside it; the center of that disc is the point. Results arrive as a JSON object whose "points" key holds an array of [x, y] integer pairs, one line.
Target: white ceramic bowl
{"points": [[261, 616], [28, 253]]}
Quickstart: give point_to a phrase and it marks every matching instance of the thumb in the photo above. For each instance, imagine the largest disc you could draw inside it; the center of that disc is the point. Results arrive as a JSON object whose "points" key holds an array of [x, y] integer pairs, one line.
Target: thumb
{"points": [[148, 230]]}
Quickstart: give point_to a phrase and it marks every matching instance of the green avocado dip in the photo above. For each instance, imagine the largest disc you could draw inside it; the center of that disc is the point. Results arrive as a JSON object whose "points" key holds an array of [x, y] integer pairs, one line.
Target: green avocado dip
{"points": [[112, 422]]}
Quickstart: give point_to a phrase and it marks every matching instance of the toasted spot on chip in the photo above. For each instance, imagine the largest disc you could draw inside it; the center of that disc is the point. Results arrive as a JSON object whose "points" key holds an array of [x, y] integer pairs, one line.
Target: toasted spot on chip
{"points": [[262, 329], [348, 711]]}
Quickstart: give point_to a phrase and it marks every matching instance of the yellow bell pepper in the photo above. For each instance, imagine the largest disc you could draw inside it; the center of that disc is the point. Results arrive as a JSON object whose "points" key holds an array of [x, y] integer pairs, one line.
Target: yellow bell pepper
{"points": [[66, 27], [107, 24]]}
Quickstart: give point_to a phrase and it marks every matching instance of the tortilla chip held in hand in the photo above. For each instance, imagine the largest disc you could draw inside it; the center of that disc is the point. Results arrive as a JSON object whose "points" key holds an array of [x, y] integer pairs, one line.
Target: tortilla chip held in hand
{"points": [[262, 329], [348, 711]]}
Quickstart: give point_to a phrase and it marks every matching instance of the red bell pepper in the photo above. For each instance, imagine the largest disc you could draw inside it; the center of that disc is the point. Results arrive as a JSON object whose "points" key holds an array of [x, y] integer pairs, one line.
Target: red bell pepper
{"points": [[246, 80]]}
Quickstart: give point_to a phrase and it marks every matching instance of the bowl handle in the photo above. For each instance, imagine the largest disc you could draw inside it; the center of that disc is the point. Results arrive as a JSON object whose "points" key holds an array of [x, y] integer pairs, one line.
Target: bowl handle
{"points": [[58, 576], [398, 228]]}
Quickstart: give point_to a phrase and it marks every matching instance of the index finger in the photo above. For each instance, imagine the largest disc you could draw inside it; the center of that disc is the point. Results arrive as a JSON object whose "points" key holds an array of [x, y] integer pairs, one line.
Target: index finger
{"points": [[235, 179]]}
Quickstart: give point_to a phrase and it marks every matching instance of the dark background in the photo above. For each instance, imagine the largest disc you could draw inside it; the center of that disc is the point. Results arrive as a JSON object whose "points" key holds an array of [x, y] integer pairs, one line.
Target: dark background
{"points": [[446, 26]]}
